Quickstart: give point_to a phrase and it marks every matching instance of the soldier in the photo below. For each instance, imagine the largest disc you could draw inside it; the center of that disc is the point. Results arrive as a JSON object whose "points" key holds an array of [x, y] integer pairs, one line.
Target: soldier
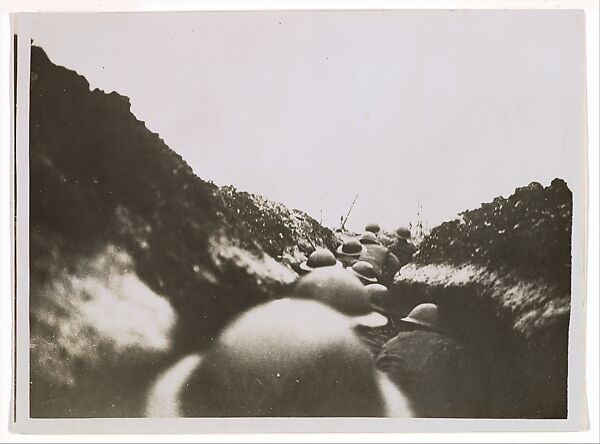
{"points": [[373, 228], [285, 358], [402, 247], [369, 238], [365, 272], [385, 263], [339, 289], [379, 298], [374, 337], [317, 259], [383, 237], [349, 252], [429, 366]]}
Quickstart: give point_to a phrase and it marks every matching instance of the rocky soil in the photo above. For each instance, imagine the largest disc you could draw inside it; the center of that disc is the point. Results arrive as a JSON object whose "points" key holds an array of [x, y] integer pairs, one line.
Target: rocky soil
{"points": [[135, 262]]}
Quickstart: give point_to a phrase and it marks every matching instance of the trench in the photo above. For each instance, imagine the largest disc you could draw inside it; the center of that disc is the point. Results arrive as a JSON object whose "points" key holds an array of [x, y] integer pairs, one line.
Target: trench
{"points": [[87, 192], [507, 376]]}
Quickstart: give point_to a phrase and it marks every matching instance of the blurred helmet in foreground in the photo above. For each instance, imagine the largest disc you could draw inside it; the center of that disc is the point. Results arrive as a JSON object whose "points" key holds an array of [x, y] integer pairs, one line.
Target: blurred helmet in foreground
{"points": [[341, 290], [377, 295], [287, 358]]}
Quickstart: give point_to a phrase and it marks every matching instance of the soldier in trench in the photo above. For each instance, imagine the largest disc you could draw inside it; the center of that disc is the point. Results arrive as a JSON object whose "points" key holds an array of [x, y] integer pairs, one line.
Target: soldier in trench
{"points": [[319, 258], [385, 263], [402, 246], [431, 367], [348, 253], [384, 238]]}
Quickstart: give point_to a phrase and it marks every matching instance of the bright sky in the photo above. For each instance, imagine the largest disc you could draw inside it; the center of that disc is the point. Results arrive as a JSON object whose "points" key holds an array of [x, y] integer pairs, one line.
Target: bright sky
{"points": [[443, 108]]}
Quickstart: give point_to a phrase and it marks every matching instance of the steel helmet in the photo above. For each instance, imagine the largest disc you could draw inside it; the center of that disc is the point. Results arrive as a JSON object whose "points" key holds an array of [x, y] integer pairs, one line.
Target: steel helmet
{"points": [[426, 315], [336, 287], [373, 228], [365, 272], [351, 247], [286, 358], [319, 258], [403, 232], [368, 238], [377, 295]]}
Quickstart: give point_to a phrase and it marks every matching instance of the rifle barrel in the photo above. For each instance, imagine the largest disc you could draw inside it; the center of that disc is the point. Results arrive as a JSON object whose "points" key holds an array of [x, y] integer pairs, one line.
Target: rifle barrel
{"points": [[347, 215]]}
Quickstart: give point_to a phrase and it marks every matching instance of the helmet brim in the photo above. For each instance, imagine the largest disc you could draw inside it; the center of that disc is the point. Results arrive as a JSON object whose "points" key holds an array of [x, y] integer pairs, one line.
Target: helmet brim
{"points": [[372, 319], [372, 280], [379, 308], [340, 252], [304, 266], [368, 241], [412, 321]]}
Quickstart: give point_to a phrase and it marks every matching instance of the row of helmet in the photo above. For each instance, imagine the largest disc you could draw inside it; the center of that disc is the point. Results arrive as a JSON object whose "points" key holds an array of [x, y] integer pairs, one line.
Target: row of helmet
{"points": [[403, 232], [342, 291], [350, 251], [354, 247], [323, 258], [296, 356]]}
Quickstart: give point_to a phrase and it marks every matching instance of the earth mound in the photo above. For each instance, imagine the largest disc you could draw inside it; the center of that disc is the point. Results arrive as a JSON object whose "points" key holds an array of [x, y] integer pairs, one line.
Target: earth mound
{"points": [[502, 274], [134, 259]]}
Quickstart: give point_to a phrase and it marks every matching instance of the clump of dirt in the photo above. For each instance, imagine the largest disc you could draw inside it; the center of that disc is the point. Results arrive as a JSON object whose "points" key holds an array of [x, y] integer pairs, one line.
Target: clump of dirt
{"points": [[102, 182], [502, 276]]}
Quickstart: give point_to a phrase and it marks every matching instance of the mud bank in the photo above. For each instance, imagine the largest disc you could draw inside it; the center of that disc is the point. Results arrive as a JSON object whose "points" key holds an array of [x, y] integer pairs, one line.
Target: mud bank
{"points": [[114, 211], [502, 274]]}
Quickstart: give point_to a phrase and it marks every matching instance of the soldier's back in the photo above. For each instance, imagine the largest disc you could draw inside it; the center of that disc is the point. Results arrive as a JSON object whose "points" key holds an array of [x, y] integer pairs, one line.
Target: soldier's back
{"points": [[403, 250], [427, 366]]}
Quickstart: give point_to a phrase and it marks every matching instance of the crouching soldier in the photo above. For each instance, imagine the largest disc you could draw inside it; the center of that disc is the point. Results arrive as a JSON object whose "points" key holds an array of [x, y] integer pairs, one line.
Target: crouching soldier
{"points": [[402, 247], [384, 238], [317, 259], [385, 263], [430, 367], [349, 252]]}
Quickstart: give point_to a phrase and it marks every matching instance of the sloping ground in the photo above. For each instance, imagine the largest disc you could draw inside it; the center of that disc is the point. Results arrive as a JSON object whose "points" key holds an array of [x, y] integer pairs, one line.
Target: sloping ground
{"points": [[134, 259], [502, 274], [287, 235]]}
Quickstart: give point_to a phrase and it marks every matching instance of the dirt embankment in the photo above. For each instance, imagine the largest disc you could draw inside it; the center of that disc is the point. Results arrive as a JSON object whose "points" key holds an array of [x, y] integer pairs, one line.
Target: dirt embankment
{"points": [[134, 259], [502, 274]]}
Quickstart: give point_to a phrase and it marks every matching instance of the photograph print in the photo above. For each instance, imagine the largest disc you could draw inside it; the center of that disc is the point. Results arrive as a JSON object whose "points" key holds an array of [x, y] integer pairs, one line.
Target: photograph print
{"points": [[364, 214]]}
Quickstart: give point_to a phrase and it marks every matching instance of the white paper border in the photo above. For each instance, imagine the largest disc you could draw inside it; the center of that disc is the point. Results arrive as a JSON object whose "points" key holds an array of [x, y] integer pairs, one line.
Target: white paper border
{"points": [[578, 311]]}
